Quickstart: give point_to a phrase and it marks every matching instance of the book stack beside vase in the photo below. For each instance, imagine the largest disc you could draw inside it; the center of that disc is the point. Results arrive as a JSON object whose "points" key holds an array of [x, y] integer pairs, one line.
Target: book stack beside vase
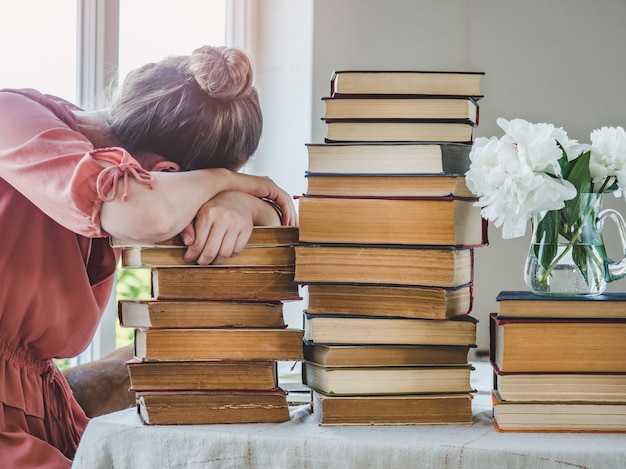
{"points": [[387, 234], [208, 342], [559, 362]]}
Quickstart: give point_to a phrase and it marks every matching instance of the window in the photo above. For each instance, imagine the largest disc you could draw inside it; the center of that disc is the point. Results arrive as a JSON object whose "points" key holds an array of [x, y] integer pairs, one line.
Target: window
{"points": [[38, 42]]}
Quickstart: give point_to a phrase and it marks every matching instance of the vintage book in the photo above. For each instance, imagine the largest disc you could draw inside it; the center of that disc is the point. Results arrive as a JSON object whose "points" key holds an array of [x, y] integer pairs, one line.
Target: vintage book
{"points": [[563, 386], [388, 158], [218, 344], [417, 221], [257, 283], [395, 265], [544, 416], [327, 329], [415, 409], [198, 314], [389, 185], [209, 407], [385, 355], [426, 82], [202, 375], [528, 304], [172, 256], [380, 380], [397, 131], [565, 345], [401, 107], [389, 300], [261, 236]]}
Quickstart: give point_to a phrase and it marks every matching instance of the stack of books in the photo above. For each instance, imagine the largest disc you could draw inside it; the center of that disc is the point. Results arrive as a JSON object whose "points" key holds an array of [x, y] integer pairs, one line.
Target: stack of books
{"points": [[388, 230], [559, 362], [208, 342]]}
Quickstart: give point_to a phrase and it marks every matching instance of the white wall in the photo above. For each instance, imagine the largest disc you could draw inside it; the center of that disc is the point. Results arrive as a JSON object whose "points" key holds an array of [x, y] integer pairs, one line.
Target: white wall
{"points": [[558, 61]]}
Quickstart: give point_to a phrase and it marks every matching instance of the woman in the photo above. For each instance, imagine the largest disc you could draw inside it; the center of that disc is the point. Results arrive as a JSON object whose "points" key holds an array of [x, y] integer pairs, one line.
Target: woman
{"points": [[161, 161]]}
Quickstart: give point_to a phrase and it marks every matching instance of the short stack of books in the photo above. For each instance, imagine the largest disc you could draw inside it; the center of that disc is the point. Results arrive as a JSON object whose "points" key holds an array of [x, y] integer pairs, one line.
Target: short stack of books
{"points": [[208, 341], [388, 230], [559, 362]]}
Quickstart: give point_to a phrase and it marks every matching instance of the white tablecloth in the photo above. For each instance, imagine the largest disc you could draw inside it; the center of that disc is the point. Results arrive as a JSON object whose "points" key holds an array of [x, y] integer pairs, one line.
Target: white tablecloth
{"points": [[120, 440]]}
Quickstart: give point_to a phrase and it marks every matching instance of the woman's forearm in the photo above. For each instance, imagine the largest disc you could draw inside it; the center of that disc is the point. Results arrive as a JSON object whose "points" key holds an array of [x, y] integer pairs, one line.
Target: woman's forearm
{"points": [[159, 212]]}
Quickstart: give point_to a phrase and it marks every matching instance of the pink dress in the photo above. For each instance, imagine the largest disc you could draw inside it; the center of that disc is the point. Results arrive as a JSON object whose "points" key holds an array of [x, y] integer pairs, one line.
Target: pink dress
{"points": [[56, 270]]}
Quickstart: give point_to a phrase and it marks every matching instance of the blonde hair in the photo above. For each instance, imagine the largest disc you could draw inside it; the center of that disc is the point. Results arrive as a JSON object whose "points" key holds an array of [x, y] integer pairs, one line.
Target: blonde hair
{"points": [[200, 111]]}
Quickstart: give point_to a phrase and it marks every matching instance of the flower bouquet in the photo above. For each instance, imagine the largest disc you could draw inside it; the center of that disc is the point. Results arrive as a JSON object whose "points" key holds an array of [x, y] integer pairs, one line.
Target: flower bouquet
{"points": [[536, 172]]}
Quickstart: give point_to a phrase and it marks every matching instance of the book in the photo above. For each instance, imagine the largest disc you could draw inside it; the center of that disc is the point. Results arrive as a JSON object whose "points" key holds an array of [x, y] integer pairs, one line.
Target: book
{"points": [[388, 158], [528, 304], [412, 221], [385, 355], [565, 345], [462, 109], [258, 283], [605, 417], [202, 375], [199, 314], [384, 265], [561, 387], [210, 407], [327, 329], [425, 82], [389, 185], [218, 344], [172, 256], [381, 380], [392, 410], [260, 236], [389, 300], [397, 131]]}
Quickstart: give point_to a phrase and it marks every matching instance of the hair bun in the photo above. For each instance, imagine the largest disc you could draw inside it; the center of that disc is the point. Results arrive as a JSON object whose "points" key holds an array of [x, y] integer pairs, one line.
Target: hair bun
{"points": [[222, 72]]}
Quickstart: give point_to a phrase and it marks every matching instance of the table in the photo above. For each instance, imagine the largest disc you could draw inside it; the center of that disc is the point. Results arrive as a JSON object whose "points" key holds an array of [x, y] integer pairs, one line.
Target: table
{"points": [[120, 440]]}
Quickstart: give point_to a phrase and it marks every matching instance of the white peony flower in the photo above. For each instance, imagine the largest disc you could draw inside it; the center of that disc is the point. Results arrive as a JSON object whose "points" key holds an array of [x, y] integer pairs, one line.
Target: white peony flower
{"points": [[514, 176], [608, 157]]}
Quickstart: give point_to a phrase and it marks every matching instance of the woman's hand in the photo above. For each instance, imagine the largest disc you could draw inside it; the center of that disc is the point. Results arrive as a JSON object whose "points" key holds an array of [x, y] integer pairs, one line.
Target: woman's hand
{"points": [[223, 226]]}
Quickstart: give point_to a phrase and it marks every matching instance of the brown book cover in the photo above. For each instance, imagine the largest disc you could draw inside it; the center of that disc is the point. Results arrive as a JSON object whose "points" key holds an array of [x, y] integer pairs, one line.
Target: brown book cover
{"points": [[209, 407], [255, 283], [558, 345], [385, 355], [345, 130], [218, 344], [172, 256], [328, 329], [385, 380], [260, 236], [387, 265], [389, 300], [416, 409], [199, 314], [378, 158], [202, 375], [560, 386], [543, 416], [388, 185], [364, 106], [530, 305], [445, 221], [407, 82]]}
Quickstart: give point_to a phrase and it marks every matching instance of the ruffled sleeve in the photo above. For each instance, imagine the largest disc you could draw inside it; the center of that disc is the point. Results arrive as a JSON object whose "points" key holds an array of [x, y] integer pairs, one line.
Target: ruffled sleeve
{"points": [[55, 167]]}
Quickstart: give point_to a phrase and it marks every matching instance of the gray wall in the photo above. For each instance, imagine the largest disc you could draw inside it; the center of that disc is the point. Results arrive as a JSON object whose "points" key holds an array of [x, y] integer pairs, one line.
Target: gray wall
{"points": [[558, 61]]}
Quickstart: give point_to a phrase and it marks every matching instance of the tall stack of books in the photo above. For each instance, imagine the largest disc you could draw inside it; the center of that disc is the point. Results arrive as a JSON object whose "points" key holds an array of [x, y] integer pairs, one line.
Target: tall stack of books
{"points": [[208, 342], [388, 230], [559, 362]]}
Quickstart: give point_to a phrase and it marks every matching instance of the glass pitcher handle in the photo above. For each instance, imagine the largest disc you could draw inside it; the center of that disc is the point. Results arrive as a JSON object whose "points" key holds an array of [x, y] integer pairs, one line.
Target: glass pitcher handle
{"points": [[615, 270]]}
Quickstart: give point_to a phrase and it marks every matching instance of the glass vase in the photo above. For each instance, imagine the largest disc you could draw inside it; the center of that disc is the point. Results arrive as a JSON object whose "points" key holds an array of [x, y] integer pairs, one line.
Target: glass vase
{"points": [[567, 256]]}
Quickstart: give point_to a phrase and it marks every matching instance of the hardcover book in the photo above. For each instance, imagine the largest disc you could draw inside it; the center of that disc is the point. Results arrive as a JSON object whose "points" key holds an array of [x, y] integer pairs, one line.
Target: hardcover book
{"points": [[388, 158], [416, 221], [398, 131]]}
